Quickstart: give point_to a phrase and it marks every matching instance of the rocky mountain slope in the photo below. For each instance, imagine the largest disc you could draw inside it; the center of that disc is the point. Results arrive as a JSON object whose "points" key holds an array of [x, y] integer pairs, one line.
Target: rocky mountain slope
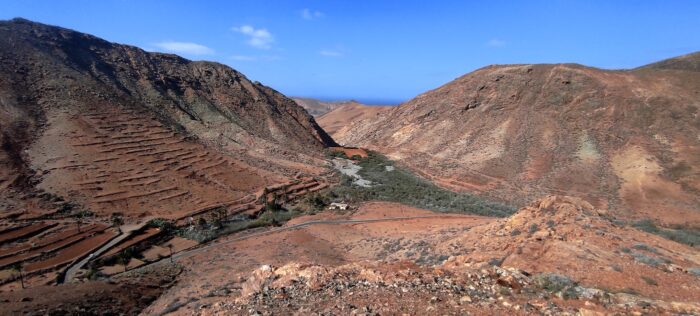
{"points": [[557, 255], [317, 107], [626, 140], [85, 123], [338, 121]]}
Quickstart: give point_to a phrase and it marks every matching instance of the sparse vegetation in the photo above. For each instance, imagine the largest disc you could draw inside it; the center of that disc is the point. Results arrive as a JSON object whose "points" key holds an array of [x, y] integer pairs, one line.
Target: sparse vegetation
{"points": [[496, 262], [533, 228], [399, 185], [165, 225], [218, 216], [648, 260], [649, 280], [67, 208], [553, 282], [685, 235], [645, 247], [117, 222], [205, 232], [17, 267]]}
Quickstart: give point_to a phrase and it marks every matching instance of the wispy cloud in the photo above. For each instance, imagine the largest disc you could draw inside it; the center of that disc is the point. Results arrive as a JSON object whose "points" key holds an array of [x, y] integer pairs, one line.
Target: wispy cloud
{"points": [[258, 38], [185, 48], [331, 53], [308, 14], [494, 42]]}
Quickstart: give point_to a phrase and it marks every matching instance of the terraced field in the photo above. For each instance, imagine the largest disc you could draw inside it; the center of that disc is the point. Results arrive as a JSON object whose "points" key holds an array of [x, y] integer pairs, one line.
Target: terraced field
{"points": [[49, 246], [127, 162], [44, 247], [117, 161]]}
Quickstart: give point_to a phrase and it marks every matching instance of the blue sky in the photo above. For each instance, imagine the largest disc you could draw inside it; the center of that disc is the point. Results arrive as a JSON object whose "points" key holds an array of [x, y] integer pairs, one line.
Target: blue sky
{"points": [[382, 51]]}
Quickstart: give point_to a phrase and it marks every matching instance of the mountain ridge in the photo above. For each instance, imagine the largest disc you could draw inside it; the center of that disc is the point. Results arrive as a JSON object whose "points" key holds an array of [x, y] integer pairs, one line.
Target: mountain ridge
{"points": [[75, 107], [518, 132]]}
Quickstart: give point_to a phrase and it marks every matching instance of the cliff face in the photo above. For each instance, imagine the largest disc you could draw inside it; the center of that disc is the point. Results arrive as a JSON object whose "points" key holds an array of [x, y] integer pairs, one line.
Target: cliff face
{"points": [[626, 140], [105, 125]]}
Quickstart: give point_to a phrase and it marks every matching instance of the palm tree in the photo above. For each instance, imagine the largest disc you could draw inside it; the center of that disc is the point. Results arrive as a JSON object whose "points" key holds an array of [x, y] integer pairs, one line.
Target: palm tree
{"points": [[18, 267], [170, 246], [123, 259], [117, 221], [78, 221]]}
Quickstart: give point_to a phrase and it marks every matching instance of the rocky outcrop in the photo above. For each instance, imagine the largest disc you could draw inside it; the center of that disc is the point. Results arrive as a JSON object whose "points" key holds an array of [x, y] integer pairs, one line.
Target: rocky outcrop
{"points": [[393, 288], [569, 236], [558, 255]]}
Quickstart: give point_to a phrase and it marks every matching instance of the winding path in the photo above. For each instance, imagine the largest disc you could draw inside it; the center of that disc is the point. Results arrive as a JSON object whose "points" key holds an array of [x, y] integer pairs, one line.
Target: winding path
{"points": [[126, 232]]}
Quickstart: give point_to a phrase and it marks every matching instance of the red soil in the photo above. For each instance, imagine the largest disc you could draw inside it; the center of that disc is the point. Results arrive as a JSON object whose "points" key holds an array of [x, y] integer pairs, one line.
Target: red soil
{"points": [[49, 238], [72, 253], [53, 247], [24, 231], [350, 151], [145, 235]]}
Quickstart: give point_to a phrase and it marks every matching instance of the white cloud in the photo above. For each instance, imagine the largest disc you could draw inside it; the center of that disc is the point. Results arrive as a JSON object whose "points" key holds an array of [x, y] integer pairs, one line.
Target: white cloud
{"points": [[308, 14], [185, 48], [331, 53], [494, 42], [258, 38]]}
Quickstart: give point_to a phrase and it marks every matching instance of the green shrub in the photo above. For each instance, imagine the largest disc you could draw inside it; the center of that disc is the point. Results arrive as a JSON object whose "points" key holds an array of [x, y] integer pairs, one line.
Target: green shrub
{"points": [[165, 225], [645, 247], [648, 260], [694, 271], [553, 282], [67, 208], [649, 280], [533, 228], [685, 235], [400, 185], [496, 262]]}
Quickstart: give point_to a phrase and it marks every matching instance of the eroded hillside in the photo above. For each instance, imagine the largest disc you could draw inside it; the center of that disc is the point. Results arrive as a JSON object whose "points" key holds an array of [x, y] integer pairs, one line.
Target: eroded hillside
{"points": [[117, 129], [340, 121], [624, 140], [98, 139]]}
